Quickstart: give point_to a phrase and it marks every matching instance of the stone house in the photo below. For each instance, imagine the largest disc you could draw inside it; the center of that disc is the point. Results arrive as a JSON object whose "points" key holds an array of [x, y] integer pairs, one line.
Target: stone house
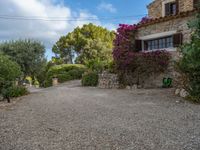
{"points": [[168, 25], [166, 29]]}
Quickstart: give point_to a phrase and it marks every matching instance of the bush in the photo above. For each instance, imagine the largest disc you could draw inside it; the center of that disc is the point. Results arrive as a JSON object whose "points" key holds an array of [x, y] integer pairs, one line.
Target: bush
{"points": [[9, 69], [59, 69], [190, 62], [76, 73], [64, 77], [14, 91], [90, 79], [141, 64], [130, 61], [65, 72]]}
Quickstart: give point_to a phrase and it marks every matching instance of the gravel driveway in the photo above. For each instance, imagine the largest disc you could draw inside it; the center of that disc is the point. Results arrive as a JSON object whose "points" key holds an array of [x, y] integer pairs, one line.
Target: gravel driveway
{"points": [[71, 117]]}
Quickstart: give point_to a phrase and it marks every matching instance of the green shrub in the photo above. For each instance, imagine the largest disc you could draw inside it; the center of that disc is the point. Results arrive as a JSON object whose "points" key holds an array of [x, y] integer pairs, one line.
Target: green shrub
{"points": [[64, 77], [14, 91], [90, 79], [190, 62], [9, 69], [60, 69], [64, 72], [98, 65], [76, 73]]}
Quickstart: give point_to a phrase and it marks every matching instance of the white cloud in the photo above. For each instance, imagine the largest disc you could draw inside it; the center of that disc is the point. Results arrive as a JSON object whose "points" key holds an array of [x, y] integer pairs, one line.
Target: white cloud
{"points": [[46, 31], [110, 26], [107, 7]]}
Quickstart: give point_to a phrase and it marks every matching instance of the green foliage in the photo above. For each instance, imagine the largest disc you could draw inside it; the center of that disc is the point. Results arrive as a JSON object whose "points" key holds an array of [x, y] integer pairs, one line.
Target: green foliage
{"points": [[89, 43], [9, 70], [95, 50], [65, 73], [14, 91], [76, 73], [97, 65], [41, 75], [64, 77], [139, 65], [90, 78], [28, 54], [190, 62], [59, 69]]}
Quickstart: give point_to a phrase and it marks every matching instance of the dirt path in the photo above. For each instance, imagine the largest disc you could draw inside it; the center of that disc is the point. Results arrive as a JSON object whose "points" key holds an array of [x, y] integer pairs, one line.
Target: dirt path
{"points": [[74, 117]]}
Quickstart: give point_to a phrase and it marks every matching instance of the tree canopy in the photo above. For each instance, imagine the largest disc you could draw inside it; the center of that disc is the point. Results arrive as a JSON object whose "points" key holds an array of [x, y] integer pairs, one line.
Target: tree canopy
{"points": [[87, 43], [30, 55]]}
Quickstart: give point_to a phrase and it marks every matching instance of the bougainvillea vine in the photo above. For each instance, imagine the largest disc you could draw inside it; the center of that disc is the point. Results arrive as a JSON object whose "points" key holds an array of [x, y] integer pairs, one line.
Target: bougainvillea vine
{"points": [[127, 57]]}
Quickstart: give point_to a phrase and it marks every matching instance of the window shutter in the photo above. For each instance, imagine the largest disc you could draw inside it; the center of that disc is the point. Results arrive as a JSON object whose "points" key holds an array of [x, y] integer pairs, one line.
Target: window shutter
{"points": [[138, 45], [177, 39], [196, 3], [145, 45], [167, 9], [177, 6]]}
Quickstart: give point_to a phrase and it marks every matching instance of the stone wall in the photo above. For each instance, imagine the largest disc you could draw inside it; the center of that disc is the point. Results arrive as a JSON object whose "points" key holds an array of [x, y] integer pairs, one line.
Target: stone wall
{"points": [[186, 5], [156, 80], [108, 81], [155, 8], [111, 81], [178, 24]]}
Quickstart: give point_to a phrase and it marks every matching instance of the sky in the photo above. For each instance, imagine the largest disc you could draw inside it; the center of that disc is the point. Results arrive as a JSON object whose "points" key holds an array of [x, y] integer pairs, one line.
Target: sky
{"points": [[47, 20]]}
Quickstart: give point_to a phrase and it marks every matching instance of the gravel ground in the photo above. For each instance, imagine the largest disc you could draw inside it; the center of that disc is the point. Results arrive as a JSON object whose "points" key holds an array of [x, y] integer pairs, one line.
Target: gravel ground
{"points": [[74, 117]]}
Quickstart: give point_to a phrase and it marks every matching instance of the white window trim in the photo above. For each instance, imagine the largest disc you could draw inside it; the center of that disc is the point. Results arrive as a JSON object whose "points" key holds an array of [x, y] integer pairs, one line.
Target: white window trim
{"points": [[163, 5], [155, 36], [173, 49]]}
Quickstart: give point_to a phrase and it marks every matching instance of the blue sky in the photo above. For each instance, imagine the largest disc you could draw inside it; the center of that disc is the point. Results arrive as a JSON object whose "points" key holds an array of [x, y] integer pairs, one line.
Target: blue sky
{"points": [[112, 8], [39, 23], [122, 7]]}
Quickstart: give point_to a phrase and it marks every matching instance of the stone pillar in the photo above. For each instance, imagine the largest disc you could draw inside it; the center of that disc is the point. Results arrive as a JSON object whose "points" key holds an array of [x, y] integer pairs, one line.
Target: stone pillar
{"points": [[55, 81], [16, 83]]}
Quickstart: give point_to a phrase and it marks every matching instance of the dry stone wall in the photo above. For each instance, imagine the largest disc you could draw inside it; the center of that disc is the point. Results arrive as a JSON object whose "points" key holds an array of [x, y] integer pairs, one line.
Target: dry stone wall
{"points": [[155, 8], [108, 81], [186, 5], [179, 25]]}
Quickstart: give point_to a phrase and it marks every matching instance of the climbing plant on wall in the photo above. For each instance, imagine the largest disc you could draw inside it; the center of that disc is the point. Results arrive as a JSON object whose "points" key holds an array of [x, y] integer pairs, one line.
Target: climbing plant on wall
{"points": [[128, 57]]}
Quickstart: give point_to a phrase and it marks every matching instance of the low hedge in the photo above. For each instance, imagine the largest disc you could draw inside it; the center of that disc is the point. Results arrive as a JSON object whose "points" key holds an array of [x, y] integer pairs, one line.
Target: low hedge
{"points": [[65, 72], [14, 91], [64, 77], [90, 78]]}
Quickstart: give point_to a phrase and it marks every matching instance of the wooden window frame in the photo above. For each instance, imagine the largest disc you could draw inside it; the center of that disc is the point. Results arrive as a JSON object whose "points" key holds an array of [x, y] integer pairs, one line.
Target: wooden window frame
{"points": [[157, 46], [170, 11], [169, 8]]}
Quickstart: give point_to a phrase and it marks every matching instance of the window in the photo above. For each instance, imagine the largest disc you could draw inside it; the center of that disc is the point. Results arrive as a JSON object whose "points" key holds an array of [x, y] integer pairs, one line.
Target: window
{"points": [[157, 42], [171, 8], [160, 43]]}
